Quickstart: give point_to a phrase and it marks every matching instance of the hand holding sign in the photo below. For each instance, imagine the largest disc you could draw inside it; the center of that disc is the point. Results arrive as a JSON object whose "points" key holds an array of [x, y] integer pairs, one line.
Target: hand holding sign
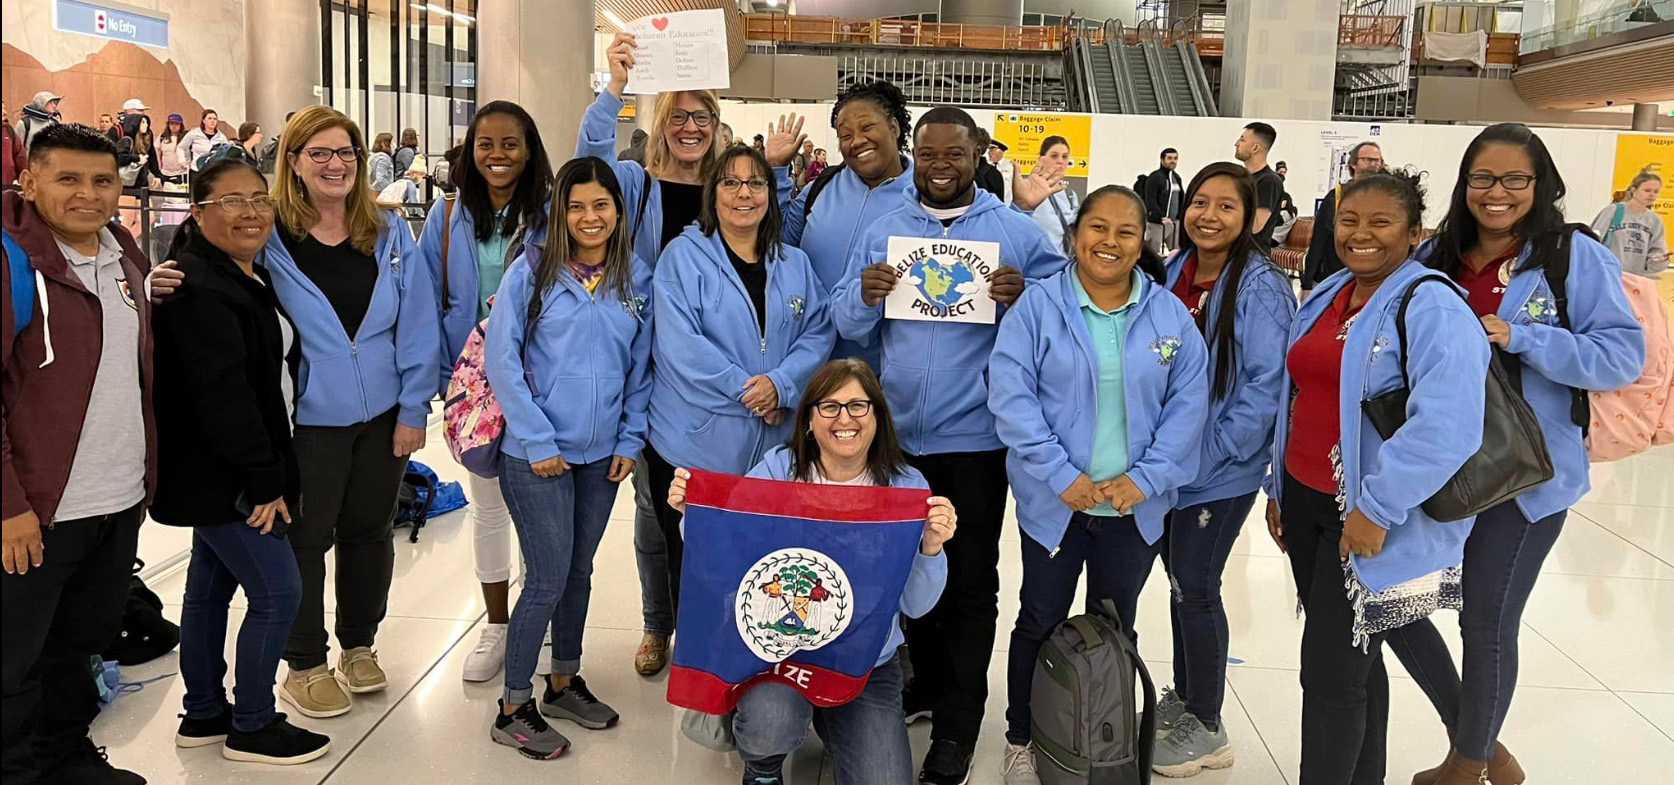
{"points": [[1006, 285], [621, 57], [876, 282]]}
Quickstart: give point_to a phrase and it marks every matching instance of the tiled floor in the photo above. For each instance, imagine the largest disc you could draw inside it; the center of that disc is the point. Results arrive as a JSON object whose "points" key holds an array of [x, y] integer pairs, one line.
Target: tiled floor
{"points": [[1595, 703]]}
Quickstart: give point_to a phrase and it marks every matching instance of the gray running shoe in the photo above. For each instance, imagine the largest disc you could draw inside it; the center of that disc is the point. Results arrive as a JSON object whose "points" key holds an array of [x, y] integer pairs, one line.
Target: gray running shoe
{"points": [[1169, 710], [577, 704], [528, 732], [1191, 748]]}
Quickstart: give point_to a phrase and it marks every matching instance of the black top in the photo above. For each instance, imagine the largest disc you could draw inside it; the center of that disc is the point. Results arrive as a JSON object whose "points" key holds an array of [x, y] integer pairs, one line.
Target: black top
{"points": [[755, 282], [345, 276], [989, 179], [1322, 246], [681, 204], [1158, 186], [223, 428], [1270, 189]]}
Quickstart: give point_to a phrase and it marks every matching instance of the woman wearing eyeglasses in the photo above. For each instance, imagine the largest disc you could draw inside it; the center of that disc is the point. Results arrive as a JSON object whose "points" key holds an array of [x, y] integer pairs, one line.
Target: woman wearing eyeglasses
{"points": [[368, 322], [741, 326], [225, 351], [1504, 240], [844, 435], [663, 198]]}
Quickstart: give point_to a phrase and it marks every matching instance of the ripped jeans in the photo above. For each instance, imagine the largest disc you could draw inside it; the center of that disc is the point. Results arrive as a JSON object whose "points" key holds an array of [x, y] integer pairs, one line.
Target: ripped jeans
{"points": [[1196, 543]]}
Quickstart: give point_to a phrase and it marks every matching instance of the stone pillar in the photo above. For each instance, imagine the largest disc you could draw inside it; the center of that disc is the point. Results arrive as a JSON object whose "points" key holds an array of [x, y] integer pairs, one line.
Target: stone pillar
{"points": [[645, 112], [1281, 59], [523, 55], [982, 12], [1645, 117], [280, 77]]}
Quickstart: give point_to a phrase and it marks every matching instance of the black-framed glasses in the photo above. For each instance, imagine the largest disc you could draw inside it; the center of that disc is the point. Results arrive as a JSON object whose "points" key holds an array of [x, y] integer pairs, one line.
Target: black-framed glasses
{"points": [[734, 185], [830, 409], [701, 117], [321, 155], [1483, 181], [236, 205]]}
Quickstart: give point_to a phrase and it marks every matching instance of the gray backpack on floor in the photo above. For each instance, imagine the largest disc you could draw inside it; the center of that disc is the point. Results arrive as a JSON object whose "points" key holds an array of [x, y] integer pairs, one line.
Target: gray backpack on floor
{"points": [[1085, 728]]}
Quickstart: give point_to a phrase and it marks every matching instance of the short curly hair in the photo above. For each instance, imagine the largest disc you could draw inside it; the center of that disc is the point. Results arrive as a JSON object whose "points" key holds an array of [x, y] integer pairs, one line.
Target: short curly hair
{"points": [[888, 99]]}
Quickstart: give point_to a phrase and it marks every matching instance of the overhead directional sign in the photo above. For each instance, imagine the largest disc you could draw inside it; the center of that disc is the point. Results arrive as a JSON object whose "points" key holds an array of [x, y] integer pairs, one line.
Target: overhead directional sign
{"points": [[1023, 132], [114, 21]]}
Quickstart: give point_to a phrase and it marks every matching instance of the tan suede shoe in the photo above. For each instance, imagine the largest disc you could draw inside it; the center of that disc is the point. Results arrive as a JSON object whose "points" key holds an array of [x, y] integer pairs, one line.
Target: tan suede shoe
{"points": [[314, 693], [358, 669]]}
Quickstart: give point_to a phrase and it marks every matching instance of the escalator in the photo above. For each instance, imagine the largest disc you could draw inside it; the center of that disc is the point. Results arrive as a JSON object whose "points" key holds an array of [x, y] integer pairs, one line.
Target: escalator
{"points": [[1116, 77]]}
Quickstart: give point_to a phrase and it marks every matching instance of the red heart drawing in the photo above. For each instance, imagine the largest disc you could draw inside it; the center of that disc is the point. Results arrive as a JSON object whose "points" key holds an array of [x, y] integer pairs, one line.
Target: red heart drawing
{"points": [[661, 23]]}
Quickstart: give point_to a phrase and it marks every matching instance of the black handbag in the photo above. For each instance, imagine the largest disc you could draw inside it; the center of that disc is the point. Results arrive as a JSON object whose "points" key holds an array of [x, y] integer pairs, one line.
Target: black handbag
{"points": [[1513, 456]]}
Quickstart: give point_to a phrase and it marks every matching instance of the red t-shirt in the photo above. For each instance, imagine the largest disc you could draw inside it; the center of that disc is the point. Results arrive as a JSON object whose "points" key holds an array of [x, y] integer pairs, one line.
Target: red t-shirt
{"points": [[1485, 288], [1194, 295], [1316, 368]]}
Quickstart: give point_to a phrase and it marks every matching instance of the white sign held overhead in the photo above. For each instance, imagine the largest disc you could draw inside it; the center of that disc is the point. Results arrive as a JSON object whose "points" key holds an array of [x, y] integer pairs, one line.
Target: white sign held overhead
{"points": [[685, 50], [939, 280]]}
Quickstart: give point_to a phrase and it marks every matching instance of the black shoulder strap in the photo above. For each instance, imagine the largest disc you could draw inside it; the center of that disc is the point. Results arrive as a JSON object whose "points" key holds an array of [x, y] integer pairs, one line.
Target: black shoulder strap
{"points": [[1401, 324], [644, 197], [819, 185], [1556, 273]]}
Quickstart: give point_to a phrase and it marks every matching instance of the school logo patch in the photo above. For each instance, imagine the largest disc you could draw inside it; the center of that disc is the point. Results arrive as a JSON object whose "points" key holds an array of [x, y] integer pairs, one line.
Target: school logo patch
{"points": [[791, 600], [1540, 310], [796, 305], [1165, 347], [127, 294]]}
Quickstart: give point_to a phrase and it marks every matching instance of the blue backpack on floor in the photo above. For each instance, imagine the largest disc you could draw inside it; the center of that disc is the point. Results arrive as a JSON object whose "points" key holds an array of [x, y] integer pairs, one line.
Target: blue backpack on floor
{"points": [[422, 495]]}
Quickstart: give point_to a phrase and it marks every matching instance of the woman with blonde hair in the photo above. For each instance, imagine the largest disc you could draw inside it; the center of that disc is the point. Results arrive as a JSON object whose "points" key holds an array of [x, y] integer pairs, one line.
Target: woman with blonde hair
{"points": [[663, 197], [347, 274], [1634, 232]]}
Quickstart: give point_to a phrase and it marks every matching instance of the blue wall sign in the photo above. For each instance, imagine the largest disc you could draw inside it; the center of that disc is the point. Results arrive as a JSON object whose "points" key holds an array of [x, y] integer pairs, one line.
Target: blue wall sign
{"points": [[112, 21]]}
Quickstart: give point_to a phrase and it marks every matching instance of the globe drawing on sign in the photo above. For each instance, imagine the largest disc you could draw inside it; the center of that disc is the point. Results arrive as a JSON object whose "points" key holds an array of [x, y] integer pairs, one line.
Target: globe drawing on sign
{"points": [[943, 283]]}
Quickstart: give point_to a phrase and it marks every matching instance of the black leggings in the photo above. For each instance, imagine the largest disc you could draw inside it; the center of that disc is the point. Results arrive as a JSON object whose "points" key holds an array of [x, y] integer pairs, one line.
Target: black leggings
{"points": [[668, 519]]}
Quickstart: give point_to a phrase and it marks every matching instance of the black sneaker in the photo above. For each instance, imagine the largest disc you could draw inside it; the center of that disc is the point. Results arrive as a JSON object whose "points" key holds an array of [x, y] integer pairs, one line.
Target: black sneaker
{"points": [[914, 707], [202, 733], [947, 763], [578, 704], [280, 743], [88, 765]]}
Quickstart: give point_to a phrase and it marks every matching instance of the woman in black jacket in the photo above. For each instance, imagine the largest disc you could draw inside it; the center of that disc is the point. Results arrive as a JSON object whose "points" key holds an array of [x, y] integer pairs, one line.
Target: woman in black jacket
{"points": [[224, 358]]}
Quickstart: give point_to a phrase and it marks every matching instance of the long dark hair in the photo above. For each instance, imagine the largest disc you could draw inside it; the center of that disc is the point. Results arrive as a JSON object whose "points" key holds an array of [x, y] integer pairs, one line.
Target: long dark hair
{"points": [[224, 160], [1244, 246], [1542, 227], [884, 459], [1149, 262], [528, 204], [768, 247], [559, 247]]}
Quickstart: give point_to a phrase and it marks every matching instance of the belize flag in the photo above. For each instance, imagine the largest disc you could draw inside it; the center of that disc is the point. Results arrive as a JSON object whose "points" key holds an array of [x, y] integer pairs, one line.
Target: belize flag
{"points": [[795, 582]]}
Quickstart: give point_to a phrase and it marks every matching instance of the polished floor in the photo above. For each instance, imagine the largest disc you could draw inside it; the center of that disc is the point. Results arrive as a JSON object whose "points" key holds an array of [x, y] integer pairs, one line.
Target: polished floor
{"points": [[1595, 702]]}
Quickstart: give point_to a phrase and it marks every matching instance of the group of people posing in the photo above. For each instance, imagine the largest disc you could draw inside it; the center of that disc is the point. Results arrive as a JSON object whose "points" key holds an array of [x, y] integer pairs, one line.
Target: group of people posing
{"points": [[697, 311]]}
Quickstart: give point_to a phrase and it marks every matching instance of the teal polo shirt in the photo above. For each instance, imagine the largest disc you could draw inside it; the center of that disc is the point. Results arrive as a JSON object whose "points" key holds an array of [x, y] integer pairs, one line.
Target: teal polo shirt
{"points": [[491, 261], [1109, 331]]}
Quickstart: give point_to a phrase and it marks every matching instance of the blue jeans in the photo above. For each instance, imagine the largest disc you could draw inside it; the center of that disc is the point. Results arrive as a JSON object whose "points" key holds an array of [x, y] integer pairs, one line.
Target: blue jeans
{"points": [[226, 557], [1502, 560], [1196, 545], [651, 552], [559, 521], [865, 737], [1118, 561]]}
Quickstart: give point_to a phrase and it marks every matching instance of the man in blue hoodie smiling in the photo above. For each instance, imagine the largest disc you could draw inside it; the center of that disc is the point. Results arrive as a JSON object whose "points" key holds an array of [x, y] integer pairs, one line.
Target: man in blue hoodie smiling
{"points": [[936, 378]]}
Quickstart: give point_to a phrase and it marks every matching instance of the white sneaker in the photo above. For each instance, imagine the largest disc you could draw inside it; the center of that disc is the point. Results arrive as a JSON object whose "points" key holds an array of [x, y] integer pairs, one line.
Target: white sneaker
{"points": [[489, 656], [543, 666], [1017, 766]]}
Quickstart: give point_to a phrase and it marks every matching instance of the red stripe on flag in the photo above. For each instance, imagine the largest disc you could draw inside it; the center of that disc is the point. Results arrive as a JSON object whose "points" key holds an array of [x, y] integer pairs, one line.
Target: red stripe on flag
{"points": [[840, 503], [690, 688]]}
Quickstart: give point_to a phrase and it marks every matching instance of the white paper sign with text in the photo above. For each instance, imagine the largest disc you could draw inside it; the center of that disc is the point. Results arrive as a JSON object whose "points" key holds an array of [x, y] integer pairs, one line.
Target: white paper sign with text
{"points": [[685, 50], [941, 280]]}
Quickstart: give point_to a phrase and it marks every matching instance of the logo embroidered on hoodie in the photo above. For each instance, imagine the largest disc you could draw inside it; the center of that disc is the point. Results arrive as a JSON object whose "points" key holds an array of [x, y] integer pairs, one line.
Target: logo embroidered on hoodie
{"points": [[1165, 347], [1539, 310], [634, 305], [797, 305]]}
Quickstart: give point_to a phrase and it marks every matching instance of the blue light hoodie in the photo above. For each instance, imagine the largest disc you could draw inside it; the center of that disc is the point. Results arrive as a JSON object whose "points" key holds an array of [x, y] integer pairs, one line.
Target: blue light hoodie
{"points": [[393, 358], [1045, 400], [929, 573], [1388, 481], [1606, 351], [581, 386], [707, 345], [936, 373], [1238, 438], [836, 225], [459, 314], [597, 138]]}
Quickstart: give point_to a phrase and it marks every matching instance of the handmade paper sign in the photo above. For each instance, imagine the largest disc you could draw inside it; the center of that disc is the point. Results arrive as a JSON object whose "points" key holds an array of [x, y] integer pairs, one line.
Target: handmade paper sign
{"points": [[941, 280], [685, 50]]}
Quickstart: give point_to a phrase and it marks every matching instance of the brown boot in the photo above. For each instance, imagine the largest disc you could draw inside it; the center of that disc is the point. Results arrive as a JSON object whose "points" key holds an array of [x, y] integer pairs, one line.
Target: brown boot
{"points": [[1460, 770], [1504, 768], [1429, 776]]}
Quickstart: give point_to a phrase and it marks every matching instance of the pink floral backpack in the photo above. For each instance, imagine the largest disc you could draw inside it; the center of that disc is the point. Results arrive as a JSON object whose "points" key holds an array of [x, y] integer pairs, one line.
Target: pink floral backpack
{"points": [[1640, 416], [472, 421]]}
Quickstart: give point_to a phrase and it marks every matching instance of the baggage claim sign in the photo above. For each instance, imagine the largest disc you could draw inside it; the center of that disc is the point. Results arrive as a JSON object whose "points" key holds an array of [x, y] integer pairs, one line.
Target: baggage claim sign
{"points": [[1023, 132]]}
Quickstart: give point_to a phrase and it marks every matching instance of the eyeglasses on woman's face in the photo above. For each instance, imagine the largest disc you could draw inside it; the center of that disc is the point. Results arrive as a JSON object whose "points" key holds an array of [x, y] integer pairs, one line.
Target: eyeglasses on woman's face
{"points": [[321, 155], [734, 184], [702, 118], [236, 205], [1483, 181], [830, 410]]}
